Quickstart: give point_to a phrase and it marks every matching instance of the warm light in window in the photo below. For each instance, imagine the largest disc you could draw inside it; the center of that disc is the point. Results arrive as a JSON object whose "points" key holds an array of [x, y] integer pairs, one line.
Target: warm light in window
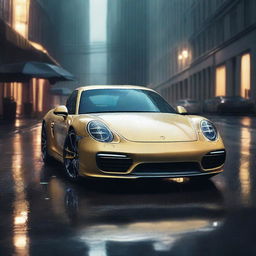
{"points": [[245, 75], [33, 81], [220, 86], [180, 57], [40, 94], [21, 16]]}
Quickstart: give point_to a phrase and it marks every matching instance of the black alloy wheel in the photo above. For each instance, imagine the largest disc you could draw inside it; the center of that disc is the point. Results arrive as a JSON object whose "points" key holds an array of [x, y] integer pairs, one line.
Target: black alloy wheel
{"points": [[70, 156]]}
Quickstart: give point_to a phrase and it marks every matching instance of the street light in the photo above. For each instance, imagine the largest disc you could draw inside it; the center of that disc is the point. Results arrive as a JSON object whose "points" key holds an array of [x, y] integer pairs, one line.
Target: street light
{"points": [[183, 55], [180, 57]]}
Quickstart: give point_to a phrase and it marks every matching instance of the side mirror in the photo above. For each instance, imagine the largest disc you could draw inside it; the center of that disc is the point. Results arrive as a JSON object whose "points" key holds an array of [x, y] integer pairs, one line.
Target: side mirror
{"points": [[181, 110], [61, 111]]}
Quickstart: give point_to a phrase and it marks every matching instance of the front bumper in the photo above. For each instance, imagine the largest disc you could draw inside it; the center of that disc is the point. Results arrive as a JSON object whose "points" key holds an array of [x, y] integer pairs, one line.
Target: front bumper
{"points": [[126, 159]]}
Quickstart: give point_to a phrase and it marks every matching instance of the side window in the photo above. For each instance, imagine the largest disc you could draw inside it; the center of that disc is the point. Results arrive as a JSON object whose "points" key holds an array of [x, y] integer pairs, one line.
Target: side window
{"points": [[71, 103]]}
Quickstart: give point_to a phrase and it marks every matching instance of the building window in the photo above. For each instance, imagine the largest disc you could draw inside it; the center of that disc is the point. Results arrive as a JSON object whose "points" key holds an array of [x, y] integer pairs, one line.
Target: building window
{"points": [[220, 85], [21, 16], [245, 75]]}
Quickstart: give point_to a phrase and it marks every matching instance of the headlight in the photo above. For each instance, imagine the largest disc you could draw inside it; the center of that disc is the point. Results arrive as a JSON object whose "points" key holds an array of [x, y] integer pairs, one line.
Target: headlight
{"points": [[99, 131], [209, 130]]}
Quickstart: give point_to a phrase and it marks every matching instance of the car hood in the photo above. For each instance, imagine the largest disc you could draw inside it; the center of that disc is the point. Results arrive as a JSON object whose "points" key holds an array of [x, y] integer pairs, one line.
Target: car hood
{"points": [[150, 127]]}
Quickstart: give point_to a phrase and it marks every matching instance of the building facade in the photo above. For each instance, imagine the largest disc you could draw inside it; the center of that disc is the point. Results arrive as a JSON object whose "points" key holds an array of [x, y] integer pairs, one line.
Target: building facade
{"points": [[27, 34], [201, 49]]}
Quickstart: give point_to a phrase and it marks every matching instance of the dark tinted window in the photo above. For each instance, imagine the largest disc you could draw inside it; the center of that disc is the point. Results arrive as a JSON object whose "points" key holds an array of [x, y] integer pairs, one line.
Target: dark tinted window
{"points": [[71, 103], [122, 100]]}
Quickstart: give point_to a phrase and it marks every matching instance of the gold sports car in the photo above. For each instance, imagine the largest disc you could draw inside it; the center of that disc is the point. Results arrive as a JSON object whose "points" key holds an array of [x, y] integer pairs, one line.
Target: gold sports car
{"points": [[129, 132]]}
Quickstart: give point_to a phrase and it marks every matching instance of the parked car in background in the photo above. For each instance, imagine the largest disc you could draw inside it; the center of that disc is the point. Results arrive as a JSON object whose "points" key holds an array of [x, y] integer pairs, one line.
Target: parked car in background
{"points": [[192, 106], [228, 104]]}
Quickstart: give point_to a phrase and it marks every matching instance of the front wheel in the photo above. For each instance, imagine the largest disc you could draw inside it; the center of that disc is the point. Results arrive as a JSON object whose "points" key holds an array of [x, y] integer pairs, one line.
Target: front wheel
{"points": [[71, 157]]}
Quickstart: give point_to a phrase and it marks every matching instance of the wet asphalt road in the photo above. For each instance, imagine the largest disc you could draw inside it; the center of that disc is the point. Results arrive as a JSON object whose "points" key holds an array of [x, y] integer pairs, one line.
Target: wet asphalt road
{"points": [[42, 213]]}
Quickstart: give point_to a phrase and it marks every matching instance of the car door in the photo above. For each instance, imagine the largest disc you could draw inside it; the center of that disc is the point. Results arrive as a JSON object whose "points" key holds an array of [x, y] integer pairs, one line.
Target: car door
{"points": [[61, 124]]}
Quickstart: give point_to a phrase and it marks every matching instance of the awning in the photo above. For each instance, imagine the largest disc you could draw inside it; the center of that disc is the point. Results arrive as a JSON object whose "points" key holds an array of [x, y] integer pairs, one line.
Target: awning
{"points": [[15, 48], [24, 71]]}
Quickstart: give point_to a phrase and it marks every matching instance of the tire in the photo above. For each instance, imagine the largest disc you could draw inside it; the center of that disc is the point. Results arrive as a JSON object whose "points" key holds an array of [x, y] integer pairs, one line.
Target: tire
{"points": [[71, 156], [47, 159]]}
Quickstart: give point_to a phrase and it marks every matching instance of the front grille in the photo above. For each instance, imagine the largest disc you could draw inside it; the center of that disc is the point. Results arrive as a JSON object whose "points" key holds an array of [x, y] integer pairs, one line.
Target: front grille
{"points": [[165, 168], [113, 162], [214, 159]]}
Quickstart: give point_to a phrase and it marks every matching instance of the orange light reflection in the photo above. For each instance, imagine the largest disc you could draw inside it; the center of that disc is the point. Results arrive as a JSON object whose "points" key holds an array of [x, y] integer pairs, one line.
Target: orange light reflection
{"points": [[244, 170], [21, 208]]}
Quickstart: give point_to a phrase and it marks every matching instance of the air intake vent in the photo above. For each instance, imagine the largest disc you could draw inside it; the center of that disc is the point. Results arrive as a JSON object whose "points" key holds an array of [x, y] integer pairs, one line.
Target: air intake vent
{"points": [[214, 159], [165, 168], [108, 162]]}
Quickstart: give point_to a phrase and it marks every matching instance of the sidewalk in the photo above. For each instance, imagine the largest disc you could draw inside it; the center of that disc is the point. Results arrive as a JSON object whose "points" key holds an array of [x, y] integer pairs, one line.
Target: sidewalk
{"points": [[17, 126]]}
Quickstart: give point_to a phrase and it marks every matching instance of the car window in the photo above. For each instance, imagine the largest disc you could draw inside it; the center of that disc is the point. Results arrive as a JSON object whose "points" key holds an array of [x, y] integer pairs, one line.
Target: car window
{"points": [[122, 100], [71, 103]]}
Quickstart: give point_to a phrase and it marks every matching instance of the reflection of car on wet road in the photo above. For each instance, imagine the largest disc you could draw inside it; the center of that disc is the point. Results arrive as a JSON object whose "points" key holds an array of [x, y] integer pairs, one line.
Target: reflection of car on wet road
{"points": [[129, 132], [151, 214], [192, 106], [225, 104]]}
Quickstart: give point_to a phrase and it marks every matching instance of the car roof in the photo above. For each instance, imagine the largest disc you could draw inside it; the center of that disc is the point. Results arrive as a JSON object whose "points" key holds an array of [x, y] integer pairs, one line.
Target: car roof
{"points": [[93, 87]]}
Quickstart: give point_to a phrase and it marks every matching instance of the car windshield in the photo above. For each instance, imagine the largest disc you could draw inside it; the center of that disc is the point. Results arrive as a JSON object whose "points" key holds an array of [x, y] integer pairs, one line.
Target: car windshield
{"points": [[122, 100]]}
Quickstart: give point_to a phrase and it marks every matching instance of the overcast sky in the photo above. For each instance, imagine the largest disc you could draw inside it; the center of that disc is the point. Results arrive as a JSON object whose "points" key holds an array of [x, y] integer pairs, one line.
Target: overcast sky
{"points": [[98, 16]]}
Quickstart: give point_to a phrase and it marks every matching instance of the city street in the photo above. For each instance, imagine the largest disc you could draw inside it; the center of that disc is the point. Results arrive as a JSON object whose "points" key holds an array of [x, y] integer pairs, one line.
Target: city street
{"points": [[42, 213]]}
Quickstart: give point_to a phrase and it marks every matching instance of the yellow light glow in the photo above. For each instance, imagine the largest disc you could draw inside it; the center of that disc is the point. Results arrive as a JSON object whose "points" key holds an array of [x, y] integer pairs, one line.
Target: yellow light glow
{"points": [[5, 90], [38, 46], [20, 219], [180, 180], [244, 170], [19, 98], [20, 14], [220, 86], [21, 206], [40, 94], [245, 75], [20, 241], [185, 54], [34, 94], [180, 57]]}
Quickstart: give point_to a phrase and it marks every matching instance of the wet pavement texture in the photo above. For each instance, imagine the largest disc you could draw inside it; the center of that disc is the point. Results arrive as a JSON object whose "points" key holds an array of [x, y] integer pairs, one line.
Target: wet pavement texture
{"points": [[42, 213], [20, 125]]}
